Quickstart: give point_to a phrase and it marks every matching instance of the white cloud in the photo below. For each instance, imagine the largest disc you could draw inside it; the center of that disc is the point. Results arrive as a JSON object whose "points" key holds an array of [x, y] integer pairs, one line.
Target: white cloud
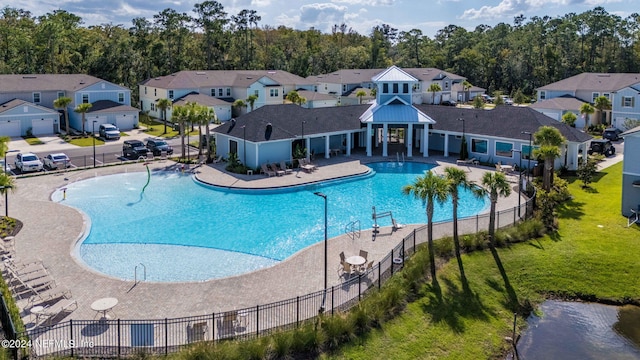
{"points": [[366, 2], [318, 13]]}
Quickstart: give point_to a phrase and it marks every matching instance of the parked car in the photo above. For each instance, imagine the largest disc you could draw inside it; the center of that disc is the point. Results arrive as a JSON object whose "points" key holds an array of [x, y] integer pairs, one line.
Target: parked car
{"points": [[449, 103], [109, 132], [486, 98], [157, 146], [57, 161], [612, 134], [28, 162], [601, 146], [506, 100], [133, 149]]}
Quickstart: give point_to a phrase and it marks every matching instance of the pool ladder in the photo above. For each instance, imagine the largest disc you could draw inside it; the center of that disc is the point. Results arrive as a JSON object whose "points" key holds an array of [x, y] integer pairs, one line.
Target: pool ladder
{"points": [[353, 229], [135, 273]]}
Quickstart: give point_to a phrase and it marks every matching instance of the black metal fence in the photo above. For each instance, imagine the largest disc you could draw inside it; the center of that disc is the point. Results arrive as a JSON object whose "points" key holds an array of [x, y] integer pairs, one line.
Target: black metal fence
{"points": [[114, 338]]}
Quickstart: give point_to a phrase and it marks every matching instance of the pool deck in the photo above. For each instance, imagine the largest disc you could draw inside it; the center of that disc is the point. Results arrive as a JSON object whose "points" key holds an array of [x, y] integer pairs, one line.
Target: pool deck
{"points": [[51, 231]]}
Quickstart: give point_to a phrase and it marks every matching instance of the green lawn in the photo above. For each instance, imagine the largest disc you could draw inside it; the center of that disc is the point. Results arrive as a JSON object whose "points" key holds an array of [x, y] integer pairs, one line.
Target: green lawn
{"points": [[591, 257], [86, 141]]}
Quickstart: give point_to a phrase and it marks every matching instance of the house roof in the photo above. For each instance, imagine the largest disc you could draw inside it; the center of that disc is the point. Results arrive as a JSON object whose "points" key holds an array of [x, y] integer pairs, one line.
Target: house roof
{"points": [[394, 73], [635, 130], [17, 102], [595, 82], [503, 121], [314, 96], [359, 76], [201, 99], [559, 103], [458, 87], [188, 79], [46, 82], [108, 106], [286, 122]]}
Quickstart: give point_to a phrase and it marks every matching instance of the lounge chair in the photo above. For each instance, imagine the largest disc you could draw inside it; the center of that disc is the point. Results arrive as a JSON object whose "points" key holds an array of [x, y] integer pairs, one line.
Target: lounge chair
{"points": [[467, 162], [266, 170], [42, 297], [304, 165], [275, 169], [284, 167], [395, 226], [50, 312], [217, 159]]}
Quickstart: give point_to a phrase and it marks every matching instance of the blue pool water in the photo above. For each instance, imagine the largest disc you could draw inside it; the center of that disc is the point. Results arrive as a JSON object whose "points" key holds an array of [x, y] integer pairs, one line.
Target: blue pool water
{"points": [[182, 230]]}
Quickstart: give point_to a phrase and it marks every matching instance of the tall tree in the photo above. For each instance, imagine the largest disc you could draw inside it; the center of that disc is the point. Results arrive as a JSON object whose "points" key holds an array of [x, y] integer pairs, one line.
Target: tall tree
{"points": [[431, 189], [586, 110], [180, 115], [212, 21], [83, 109], [494, 184], [174, 31], [601, 104], [434, 88], [62, 103], [163, 105], [549, 139]]}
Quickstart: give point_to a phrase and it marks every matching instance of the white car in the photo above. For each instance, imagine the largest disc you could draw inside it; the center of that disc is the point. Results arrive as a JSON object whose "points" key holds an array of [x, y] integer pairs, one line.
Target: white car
{"points": [[28, 162], [57, 161]]}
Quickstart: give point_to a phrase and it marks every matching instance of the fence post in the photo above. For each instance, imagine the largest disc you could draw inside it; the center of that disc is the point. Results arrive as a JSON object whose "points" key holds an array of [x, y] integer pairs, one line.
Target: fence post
{"points": [[379, 274], [392, 262], [477, 220], [71, 334], [332, 307], [359, 286], [166, 336], [414, 240], [257, 320], [297, 312], [213, 326], [497, 221], [119, 340]]}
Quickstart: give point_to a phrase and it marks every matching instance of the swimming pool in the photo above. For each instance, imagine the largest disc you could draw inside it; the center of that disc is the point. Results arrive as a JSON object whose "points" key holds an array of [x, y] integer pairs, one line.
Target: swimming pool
{"points": [[182, 230]]}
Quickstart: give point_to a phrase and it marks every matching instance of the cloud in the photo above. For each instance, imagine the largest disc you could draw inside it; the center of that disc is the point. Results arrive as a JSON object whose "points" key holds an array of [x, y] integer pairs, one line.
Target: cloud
{"points": [[366, 2], [319, 13], [514, 7]]}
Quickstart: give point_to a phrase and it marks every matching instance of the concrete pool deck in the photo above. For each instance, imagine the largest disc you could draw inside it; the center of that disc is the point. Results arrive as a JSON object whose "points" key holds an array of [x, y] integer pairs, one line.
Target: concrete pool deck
{"points": [[51, 230]]}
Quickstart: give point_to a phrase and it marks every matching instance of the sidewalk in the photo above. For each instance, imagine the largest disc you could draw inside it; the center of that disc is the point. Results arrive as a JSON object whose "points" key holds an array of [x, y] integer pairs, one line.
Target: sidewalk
{"points": [[53, 143]]}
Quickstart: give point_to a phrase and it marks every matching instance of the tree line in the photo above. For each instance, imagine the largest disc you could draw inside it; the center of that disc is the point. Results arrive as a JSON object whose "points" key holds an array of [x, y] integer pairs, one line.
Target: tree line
{"points": [[526, 54]]}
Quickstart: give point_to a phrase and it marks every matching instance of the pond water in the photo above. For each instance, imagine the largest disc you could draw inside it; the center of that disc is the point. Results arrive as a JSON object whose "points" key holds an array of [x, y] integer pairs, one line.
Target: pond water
{"points": [[573, 330]]}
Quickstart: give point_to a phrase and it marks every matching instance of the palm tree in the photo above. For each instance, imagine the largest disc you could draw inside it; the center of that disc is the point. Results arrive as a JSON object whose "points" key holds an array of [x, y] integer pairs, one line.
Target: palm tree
{"points": [[83, 109], [251, 100], [209, 114], [601, 104], [62, 103], [550, 139], [4, 145], [373, 91], [466, 85], [429, 188], [7, 183], [457, 179], [163, 105], [434, 88], [586, 110], [180, 115], [360, 94], [569, 118], [495, 184], [239, 104]]}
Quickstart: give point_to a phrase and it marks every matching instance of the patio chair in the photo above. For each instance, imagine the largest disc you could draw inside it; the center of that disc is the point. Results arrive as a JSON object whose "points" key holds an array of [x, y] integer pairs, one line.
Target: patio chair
{"points": [[284, 167], [266, 170], [342, 257], [364, 254], [365, 268], [345, 268], [275, 169], [634, 217], [51, 312], [217, 159]]}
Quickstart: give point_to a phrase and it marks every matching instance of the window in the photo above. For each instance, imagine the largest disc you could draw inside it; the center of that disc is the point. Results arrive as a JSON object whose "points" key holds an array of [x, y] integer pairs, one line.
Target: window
{"points": [[594, 96], [526, 151], [213, 92], [120, 97], [344, 88], [153, 107], [145, 90], [155, 92], [416, 87], [479, 146], [405, 88], [36, 98], [60, 94], [220, 92], [607, 95], [273, 92], [233, 147], [543, 95], [385, 88], [395, 88], [256, 93], [503, 149], [170, 94], [85, 98], [228, 91], [627, 101], [446, 84]]}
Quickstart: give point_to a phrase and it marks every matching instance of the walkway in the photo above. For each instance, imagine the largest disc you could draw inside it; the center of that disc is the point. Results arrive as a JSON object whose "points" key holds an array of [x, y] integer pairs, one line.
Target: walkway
{"points": [[51, 231]]}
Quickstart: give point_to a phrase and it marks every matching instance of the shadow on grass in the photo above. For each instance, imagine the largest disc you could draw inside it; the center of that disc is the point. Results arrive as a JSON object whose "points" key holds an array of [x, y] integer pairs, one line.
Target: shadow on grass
{"points": [[555, 236], [536, 244], [453, 305], [589, 189], [511, 301], [570, 210]]}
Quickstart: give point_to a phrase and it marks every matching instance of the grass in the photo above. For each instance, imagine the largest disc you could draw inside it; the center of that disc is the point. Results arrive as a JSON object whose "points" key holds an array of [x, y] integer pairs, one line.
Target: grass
{"points": [[592, 257], [32, 140], [85, 141]]}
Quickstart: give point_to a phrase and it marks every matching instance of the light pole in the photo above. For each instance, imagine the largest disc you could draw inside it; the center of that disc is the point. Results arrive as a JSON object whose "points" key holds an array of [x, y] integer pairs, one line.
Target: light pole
{"points": [[324, 297], [244, 144], [94, 142], [6, 199], [528, 154], [304, 143], [519, 177]]}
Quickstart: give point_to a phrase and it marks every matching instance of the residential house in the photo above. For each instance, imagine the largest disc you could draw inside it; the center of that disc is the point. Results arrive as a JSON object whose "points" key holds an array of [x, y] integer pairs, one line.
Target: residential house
{"points": [[621, 89], [221, 108], [393, 125], [270, 87], [113, 101], [19, 117], [316, 100], [556, 108], [631, 172]]}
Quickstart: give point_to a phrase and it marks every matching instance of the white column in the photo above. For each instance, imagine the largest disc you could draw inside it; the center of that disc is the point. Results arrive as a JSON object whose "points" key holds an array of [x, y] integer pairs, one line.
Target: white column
{"points": [[349, 136], [307, 144], [409, 141], [385, 132], [446, 144], [425, 141], [367, 138], [327, 153]]}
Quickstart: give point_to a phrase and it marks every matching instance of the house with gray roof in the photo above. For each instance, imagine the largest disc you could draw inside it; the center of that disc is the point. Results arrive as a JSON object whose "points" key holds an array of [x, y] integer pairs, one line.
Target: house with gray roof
{"points": [[390, 126], [18, 117], [111, 102], [556, 108], [631, 172], [270, 87], [620, 88]]}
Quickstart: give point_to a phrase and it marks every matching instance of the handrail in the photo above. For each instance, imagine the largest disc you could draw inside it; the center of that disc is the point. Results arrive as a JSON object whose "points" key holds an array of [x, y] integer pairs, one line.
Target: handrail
{"points": [[349, 229], [135, 273]]}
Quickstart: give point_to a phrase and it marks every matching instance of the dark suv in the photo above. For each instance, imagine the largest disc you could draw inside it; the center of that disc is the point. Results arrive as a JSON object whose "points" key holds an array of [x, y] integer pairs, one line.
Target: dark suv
{"points": [[157, 146], [612, 134], [601, 146], [133, 149]]}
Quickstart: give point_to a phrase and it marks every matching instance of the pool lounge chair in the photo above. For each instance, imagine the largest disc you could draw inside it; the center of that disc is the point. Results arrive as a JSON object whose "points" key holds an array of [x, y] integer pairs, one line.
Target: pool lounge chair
{"points": [[48, 295], [275, 169], [395, 226], [304, 165], [267, 171], [51, 312], [284, 167]]}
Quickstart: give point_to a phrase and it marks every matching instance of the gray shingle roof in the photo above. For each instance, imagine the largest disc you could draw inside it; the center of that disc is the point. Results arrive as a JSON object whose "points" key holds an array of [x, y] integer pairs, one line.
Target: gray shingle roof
{"points": [[559, 103], [108, 106], [46, 82], [358, 76], [189, 79], [201, 99], [595, 82]]}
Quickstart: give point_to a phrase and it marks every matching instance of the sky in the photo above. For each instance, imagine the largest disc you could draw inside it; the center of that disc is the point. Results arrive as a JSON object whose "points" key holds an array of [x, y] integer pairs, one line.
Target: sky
{"points": [[429, 16]]}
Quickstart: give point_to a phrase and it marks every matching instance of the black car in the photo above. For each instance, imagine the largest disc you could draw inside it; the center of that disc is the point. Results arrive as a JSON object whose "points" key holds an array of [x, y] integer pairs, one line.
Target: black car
{"points": [[449, 103], [601, 146], [157, 146], [612, 134], [133, 149]]}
